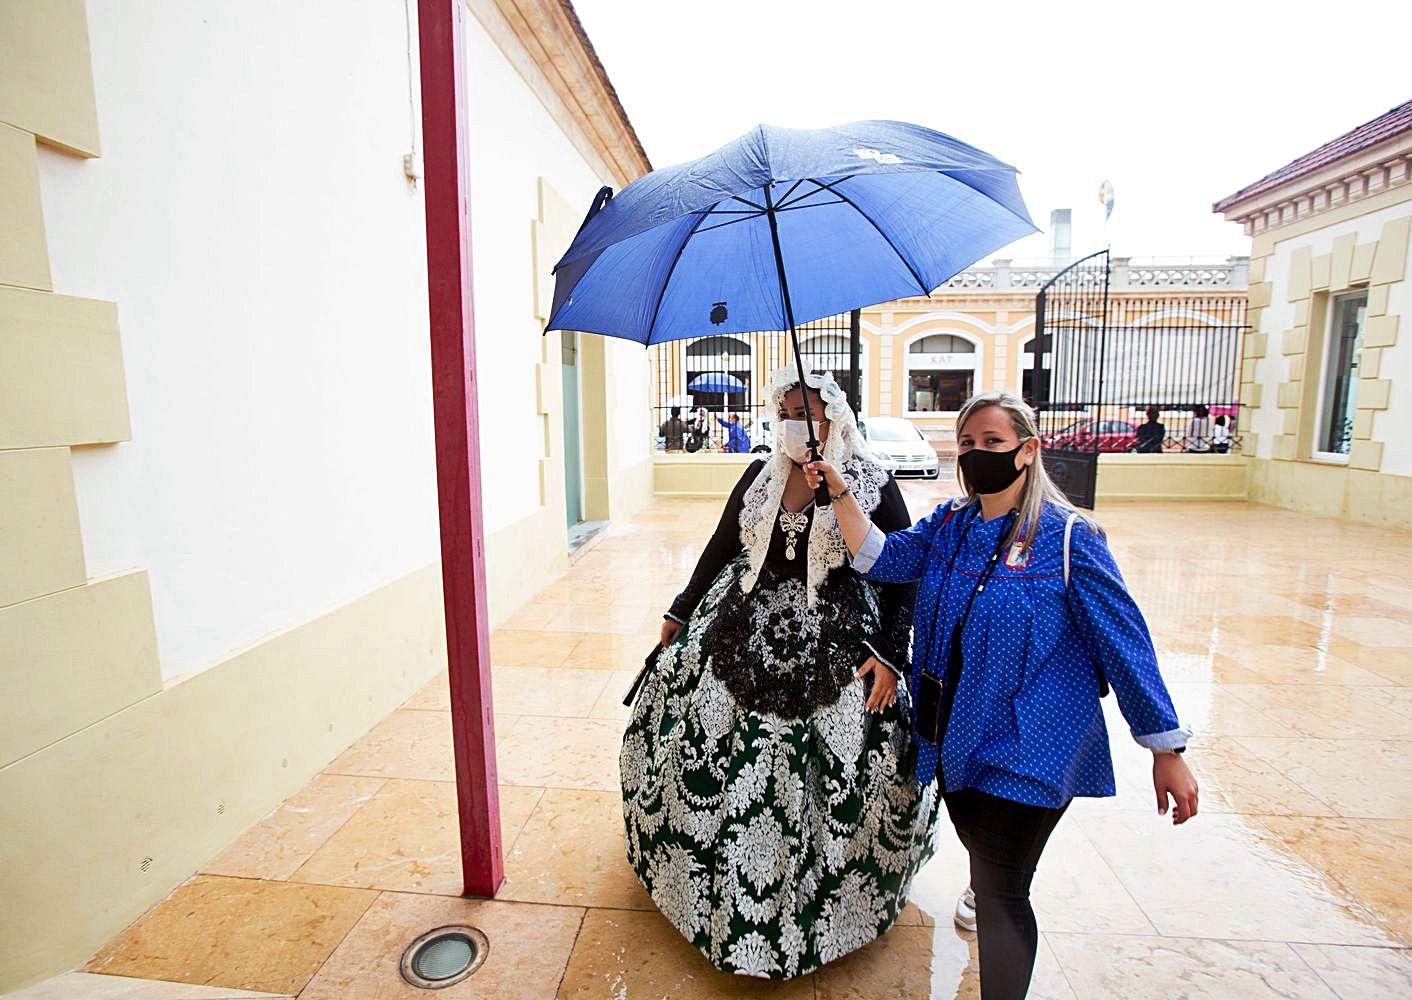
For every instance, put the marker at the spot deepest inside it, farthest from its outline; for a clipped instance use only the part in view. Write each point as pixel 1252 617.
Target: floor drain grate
pixel 444 957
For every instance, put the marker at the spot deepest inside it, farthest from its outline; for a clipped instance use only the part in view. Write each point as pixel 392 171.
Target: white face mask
pixel 794 440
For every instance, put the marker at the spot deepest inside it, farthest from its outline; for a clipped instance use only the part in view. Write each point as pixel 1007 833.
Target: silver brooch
pixel 793 525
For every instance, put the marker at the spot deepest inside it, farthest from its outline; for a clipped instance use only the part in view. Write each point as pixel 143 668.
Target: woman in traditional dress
pixel 1023 621
pixel 768 790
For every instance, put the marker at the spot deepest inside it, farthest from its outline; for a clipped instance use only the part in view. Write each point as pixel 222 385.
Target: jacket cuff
pixel 1169 740
pixel 869 551
pixel 880 658
pixel 673 618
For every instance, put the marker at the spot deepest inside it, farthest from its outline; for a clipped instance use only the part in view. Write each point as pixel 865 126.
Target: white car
pixel 901 448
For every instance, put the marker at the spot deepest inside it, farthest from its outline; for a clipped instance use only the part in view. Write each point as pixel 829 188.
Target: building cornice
pixel 546 43
pixel 1368 172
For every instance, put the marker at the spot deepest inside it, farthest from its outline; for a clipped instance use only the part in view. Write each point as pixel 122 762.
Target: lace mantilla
pixel 845 450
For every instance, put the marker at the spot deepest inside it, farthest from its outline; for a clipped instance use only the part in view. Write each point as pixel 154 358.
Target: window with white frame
pixel 1342 352
pixel 832 352
pixel 941 373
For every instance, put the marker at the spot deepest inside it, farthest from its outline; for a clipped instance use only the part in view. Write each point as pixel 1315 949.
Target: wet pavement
pixel 1286 641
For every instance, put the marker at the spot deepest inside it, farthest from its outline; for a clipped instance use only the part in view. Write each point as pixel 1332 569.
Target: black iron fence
pixel 707 387
pixel 1146 374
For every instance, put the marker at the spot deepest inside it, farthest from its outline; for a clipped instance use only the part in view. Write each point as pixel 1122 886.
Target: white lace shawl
pixel 845 450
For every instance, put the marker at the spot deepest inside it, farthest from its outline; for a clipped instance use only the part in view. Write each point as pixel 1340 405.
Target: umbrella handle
pixel 821 492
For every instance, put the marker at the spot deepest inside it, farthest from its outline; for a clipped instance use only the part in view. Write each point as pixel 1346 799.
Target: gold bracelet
pixel 843 493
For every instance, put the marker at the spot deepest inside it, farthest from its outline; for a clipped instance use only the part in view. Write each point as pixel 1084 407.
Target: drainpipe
pixel 441 27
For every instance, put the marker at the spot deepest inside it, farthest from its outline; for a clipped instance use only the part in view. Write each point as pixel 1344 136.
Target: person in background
pixel 1151 434
pixel 674 430
pixel 1220 437
pixel 737 441
pixel 1198 430
pixel 700 430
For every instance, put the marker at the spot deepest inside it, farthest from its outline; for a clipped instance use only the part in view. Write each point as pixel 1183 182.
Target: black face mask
pixel 990 471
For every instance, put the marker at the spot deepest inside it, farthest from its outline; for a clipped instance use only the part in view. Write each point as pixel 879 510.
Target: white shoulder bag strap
pixel 1068 530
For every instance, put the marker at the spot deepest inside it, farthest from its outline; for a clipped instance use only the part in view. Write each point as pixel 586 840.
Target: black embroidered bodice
pixel 893 644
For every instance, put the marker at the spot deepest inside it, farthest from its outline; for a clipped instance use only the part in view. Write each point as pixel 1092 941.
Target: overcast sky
pixel 1177 104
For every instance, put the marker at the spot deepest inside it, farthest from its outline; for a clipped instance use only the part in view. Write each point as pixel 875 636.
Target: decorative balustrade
pixel 1128 274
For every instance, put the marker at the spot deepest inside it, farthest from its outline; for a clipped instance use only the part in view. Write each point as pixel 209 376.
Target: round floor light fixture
pixel 444 957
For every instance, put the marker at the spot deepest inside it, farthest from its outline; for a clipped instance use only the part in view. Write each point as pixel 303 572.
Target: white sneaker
pixel 965 916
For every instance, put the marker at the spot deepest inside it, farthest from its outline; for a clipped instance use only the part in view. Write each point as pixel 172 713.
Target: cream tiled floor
pixel 1288 644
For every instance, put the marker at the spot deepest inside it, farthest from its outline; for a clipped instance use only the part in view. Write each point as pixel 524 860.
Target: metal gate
pixel 1071 327
pixel 730 372
pixel 1155 373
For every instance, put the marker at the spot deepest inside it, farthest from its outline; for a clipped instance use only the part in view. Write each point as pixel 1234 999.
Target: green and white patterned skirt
pixel 774 821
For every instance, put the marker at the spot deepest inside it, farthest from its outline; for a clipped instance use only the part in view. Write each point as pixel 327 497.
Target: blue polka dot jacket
pixel 1026 723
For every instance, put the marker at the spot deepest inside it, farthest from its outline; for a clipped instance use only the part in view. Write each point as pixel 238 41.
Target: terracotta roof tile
pixel 1380 129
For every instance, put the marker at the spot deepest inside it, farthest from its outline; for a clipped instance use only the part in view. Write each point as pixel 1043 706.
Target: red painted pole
pixel 458 479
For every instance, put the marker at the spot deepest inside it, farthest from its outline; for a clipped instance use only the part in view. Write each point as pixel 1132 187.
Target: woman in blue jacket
pixel 1022 620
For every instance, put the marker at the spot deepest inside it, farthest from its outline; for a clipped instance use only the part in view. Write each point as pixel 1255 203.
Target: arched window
pixel 942 372
pixel 730 355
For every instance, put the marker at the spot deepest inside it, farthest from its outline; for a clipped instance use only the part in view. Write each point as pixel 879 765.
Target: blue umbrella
pixel 716 382
pixel 784 226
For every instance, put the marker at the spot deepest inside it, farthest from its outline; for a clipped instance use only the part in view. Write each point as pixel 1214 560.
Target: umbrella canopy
pixel 716 382
pixel 853 215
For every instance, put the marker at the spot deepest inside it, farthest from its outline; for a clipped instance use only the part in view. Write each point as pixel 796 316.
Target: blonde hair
pixel 1039 489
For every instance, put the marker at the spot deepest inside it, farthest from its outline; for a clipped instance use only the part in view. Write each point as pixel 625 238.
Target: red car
pixel 1094 435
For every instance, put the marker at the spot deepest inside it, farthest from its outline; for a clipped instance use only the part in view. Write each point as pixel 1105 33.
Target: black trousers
pixel 1004 840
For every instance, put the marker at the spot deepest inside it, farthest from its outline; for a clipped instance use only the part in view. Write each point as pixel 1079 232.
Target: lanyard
pixel 985 576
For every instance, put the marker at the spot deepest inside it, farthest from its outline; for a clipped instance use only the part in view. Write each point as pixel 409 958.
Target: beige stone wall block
pixel 46 80
pixel 1301 313
pixel 1255 345
pixel 1253 395
pixel 1363 425
pixel 1390 260
pixel 174 778
pixel 24 254
pixel 1289 421
pixel 1259 296
pixel 41 550
pixel 62 382
pixel 1296 368
pixel 1289 395
pixel 1319 273
pixel 1257 269
pixel 1380 499
pixel 1250 444
pixel 1294 341
pixel 1373 393
pixel 1362 267
pixel 1377 300
pixel 1168 477
pixel 1370 363
pixel 1284 447
pixel 1366 455
pixel 73 658
pixel 1340 261
pixel 1247 369
pixel 1253 317
pixel 1300 266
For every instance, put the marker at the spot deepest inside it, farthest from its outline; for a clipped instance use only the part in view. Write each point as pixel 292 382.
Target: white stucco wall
pixel 1389 426
pixel 250 217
